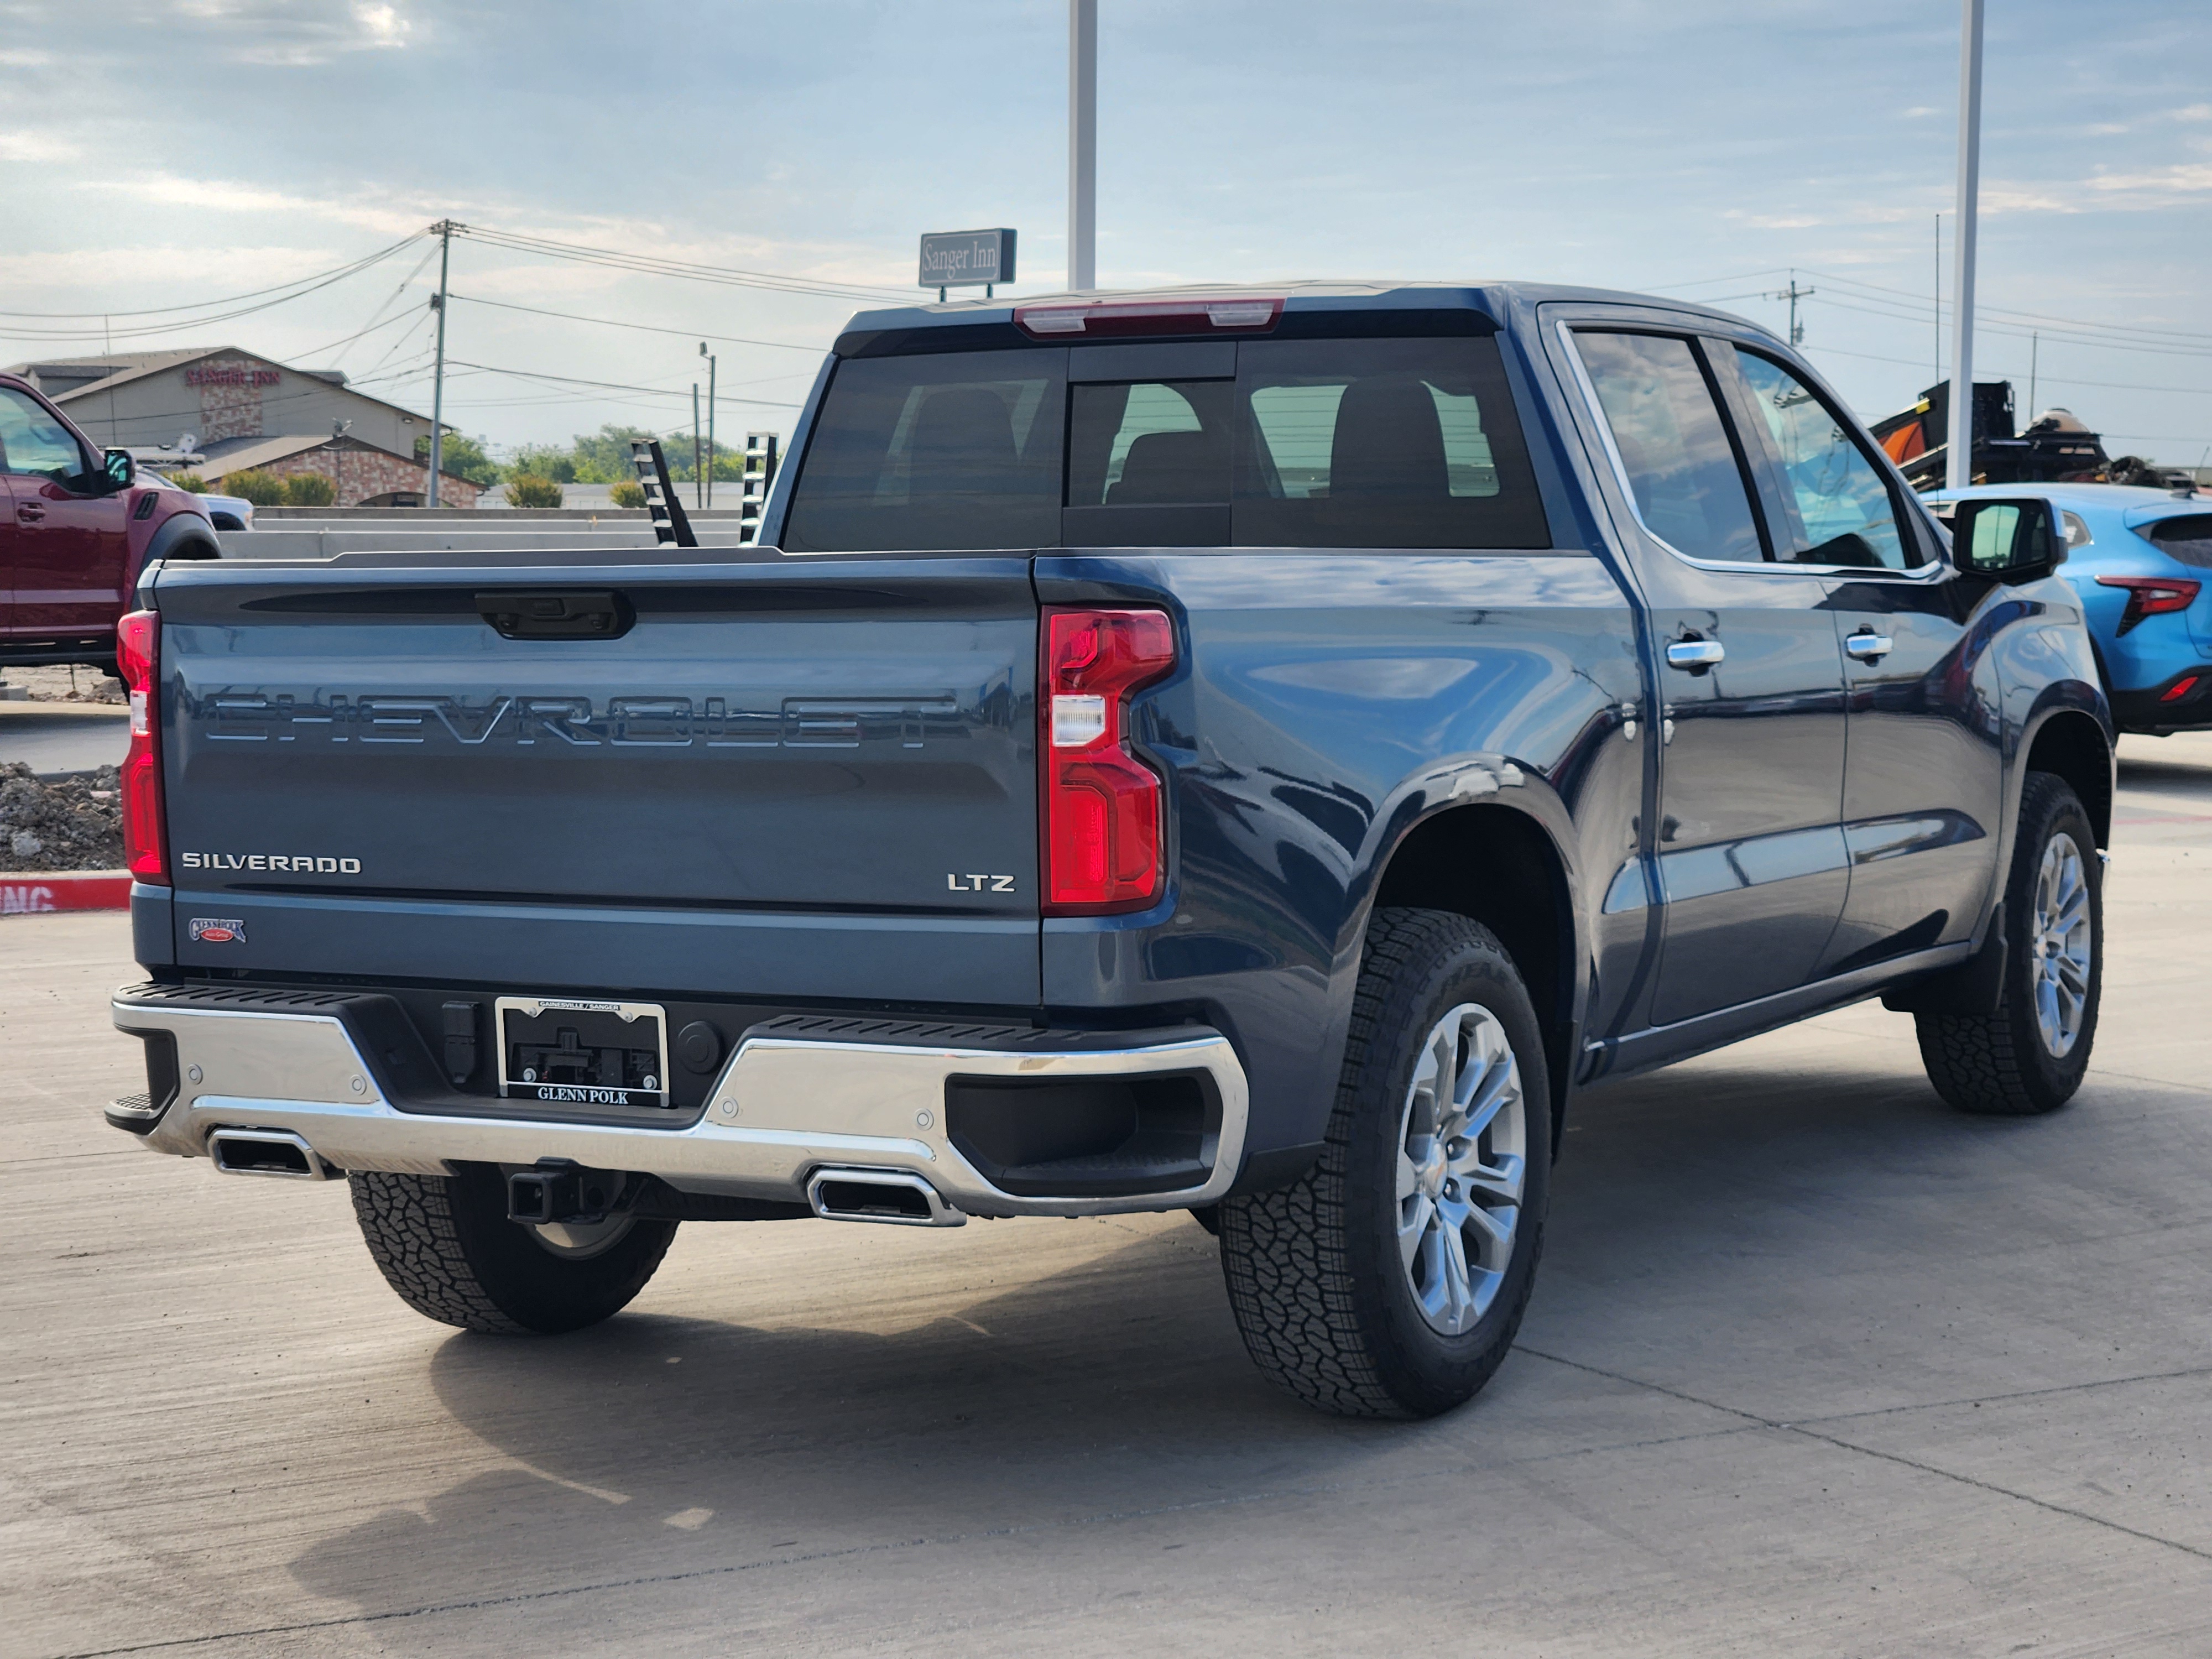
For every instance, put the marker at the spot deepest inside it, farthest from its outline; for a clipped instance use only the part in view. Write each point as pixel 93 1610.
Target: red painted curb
pixel 32 893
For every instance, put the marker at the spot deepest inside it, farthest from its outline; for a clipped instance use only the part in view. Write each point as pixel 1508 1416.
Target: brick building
pixel 246 412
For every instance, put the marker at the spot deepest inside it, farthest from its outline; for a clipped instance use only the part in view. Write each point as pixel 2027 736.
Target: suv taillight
pixel 138 657
pixel 1101 805
pixel 2151 596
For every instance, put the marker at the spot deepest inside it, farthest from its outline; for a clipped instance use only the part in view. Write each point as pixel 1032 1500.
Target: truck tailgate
pixel 730 775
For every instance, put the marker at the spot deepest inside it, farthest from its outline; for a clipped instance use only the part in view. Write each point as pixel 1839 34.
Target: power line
pixel 2055 379
pixel 208 321
pixel 648 328
pixel 318 277
pixel 654 264
pixel 605 385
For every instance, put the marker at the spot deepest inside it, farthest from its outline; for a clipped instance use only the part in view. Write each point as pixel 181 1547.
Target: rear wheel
pixel 2029 1056
pixel 1389 1280
pixel 445 1244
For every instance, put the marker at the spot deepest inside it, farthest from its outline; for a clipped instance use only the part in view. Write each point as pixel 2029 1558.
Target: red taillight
pixel 2181 688
pixel 138 658
pixel 2150 596
pixel 1106 320
pixel 1101 805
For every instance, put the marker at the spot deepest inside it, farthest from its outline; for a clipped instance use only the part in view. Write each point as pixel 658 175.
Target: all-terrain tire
pixel 445 1244
pixel 1326 1308
pixel 1999 1064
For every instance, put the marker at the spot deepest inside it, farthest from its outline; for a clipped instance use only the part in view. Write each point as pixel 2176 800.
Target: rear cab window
pixel 1275 443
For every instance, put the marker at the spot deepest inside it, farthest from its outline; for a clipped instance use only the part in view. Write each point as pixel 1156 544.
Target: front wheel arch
pixel 2072 745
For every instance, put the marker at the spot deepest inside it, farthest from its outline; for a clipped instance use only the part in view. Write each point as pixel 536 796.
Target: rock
pixel 61 823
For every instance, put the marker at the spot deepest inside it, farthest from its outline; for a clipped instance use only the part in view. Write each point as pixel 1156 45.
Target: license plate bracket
pixel 578 1051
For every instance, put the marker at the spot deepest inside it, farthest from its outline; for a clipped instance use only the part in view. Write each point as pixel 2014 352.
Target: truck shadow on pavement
pixel 1693 1209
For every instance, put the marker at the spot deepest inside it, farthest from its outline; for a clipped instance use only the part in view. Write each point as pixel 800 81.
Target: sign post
pixel 967 259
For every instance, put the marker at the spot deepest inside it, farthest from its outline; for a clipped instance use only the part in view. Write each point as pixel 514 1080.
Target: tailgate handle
pixel 557 616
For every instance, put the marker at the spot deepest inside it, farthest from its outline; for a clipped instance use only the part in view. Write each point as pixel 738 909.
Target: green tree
pixel 461 456
pixel 631 494
pixel 309 490
pixel 544 461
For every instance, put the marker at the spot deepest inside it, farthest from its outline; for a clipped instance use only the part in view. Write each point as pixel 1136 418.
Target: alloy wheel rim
pixel 579 1240
pixel 1462 1142
pixel 2061 946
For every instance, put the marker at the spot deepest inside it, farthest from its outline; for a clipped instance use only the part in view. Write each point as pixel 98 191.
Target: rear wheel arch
pixel 1501 867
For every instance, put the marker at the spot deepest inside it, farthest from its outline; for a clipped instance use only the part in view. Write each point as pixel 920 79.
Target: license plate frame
pixel 605 1029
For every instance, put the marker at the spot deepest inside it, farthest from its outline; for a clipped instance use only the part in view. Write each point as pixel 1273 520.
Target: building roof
pixel 124 367
pixel 230 455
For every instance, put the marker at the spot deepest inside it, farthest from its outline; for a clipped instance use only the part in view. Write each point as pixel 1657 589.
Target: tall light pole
pixel 1959 457
pixel 1082 144
pixel 445 230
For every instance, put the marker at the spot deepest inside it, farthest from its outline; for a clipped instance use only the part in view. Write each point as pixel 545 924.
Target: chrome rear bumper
pixel 787 1102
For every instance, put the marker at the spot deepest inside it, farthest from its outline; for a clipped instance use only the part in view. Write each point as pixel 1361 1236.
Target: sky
pixel 174 153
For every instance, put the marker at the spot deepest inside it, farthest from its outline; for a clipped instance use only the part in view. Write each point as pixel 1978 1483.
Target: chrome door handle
pixel 1867 645
pixel 29 511
pixel 1694 654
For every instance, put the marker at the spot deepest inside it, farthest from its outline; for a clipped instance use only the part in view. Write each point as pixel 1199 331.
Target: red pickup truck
pixel 77 524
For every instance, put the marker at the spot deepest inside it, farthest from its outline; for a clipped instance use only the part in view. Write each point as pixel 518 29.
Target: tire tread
pixel 1286 1254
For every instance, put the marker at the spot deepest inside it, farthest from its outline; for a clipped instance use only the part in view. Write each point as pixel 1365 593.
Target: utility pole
pixel 444 228
pixel 1939 299
pixel 2034 350
pixel 709 356
pixel 1958 470
pixel 1793 294
pixel 1082 144
pixel 698 485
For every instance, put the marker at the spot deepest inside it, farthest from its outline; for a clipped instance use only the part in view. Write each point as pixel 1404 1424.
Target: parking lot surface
pixel 1814 1366
pixel 56 737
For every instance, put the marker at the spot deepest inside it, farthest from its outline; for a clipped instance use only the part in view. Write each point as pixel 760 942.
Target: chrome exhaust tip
pixel 277 1153
pixel 892 1198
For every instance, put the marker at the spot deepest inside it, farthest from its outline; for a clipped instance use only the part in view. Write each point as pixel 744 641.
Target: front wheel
pixel 2029 1056
pixel 445 1244
pixel 1389 1280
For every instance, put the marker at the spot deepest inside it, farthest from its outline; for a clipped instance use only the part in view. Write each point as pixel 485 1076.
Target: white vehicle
pixel 224 512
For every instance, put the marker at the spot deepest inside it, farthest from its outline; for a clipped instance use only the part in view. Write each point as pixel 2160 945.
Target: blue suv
pixel 2142 561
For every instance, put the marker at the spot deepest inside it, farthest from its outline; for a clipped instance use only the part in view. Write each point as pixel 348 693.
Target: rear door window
pixel 1408 443
pixel 1682 467
pixel 1380 443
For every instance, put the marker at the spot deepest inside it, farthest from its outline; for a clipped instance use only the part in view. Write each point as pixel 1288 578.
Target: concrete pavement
pixel 1814 1366
pixel 64 737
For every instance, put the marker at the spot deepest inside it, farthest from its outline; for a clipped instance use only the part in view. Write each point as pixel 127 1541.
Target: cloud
pixel 2165 184
pixel 23 57
pixel 296 34
pixel 227 196
pixel 36 147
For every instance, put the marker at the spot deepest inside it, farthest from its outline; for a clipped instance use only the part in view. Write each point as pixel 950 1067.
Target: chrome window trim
pixel 1926 573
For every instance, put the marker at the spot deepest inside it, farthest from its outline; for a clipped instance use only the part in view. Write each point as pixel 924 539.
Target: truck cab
pixel 78 524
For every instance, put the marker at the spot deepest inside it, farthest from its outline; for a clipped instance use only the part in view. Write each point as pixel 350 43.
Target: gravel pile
pixel 62 684
pixel 69 823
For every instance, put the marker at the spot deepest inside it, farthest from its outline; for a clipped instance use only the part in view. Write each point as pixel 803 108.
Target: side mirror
pixel 2008 541
pixel 117 470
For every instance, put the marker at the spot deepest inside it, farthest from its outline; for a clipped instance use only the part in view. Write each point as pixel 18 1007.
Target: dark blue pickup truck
pixel 1253 752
